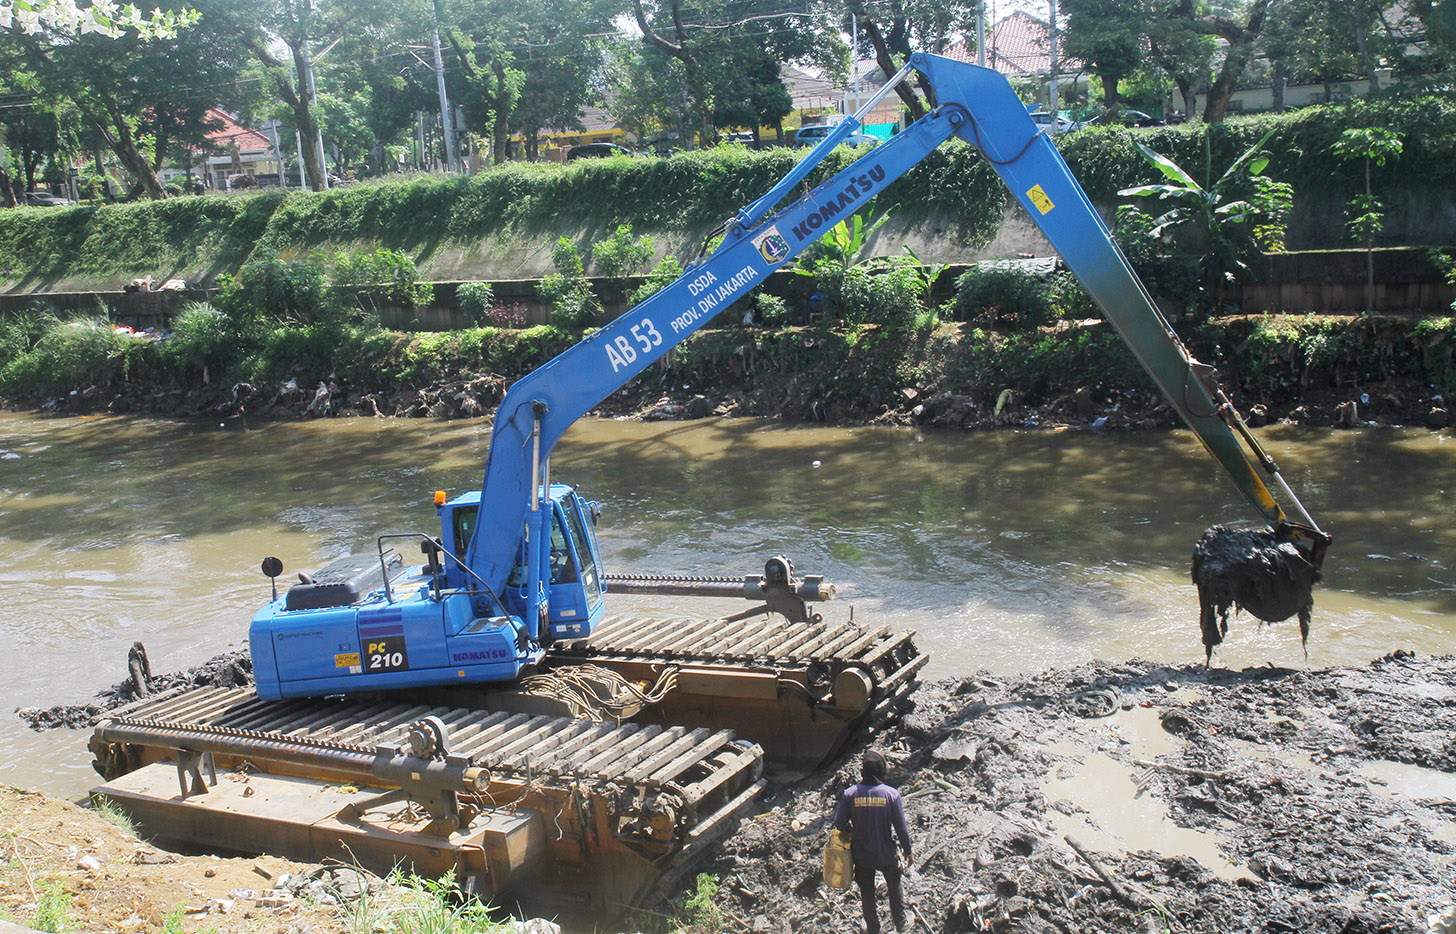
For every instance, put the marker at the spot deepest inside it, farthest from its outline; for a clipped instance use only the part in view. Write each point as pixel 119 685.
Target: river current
pixel 1007 551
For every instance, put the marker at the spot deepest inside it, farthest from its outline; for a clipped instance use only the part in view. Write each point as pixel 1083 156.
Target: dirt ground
pixel 1205 800
pixel 1107 797
pixel 69 868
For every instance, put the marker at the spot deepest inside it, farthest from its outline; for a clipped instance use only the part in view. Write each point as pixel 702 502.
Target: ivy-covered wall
pixel 502 223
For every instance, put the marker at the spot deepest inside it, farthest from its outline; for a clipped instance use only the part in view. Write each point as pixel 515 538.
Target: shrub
pixel 619 255
pixel 269 289
pixel 382 275
pixel 203 341
pixel 885 292
pixel 772 310
pixel 663 274
pixel 567 291
pixel 989 293
pixel 475 298
pixel 506 316
pixel 63 355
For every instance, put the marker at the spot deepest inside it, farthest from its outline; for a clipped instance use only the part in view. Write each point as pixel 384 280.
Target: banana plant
pixel 1214 221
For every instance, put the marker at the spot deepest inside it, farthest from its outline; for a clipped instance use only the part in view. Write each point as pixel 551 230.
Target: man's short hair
pixel 874 768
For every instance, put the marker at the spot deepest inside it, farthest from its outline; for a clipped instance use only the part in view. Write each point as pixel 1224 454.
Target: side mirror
pixel 272 567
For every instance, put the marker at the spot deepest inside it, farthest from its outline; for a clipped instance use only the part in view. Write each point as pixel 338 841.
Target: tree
pixel 126 88
pixel 281 37
pixel 1215 219
pixel 729 51
pixel 890 30
pixel 1241 33
pixel 1108 36
pixel 1323 40
pixel 1373 146
pixel 104 17
pixel 1184 54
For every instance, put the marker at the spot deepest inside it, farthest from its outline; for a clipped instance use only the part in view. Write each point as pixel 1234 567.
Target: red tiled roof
pixel 1018 47
pixel 230 133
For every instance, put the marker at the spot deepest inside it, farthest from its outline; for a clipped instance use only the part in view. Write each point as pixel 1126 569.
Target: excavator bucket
pixel 1269 572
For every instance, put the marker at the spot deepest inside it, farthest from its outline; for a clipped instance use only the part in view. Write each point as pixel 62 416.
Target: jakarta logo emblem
pixel 772 246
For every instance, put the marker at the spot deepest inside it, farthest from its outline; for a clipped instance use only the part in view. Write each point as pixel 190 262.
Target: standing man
pixel 869 810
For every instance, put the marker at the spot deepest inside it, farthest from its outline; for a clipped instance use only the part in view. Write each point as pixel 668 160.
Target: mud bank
pixel 1132 797
pixel 1334 372
pixel 1203 799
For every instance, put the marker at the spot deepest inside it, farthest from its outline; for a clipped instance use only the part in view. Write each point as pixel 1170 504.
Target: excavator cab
pixel 575 576
pixel 576 589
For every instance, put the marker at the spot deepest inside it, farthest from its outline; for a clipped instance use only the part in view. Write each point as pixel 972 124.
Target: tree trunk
pixel 1109 91
pixel 1240 49
pixel 1362 46
pixel 886 61
pixel 117 132
pixel 1280 80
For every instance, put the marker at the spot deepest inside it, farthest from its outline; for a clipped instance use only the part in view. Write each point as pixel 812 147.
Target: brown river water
pixel 1008 551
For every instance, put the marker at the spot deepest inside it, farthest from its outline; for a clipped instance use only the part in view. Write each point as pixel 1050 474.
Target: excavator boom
pixel 979 106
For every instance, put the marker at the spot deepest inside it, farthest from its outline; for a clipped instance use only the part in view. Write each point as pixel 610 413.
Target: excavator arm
pixel 979 106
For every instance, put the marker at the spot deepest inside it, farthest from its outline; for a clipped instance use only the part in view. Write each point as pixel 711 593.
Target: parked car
pixel 742 137
pixel 1061 123
pixel 811 135
pixel 1122 118
pixel 44 199
pixel 597 151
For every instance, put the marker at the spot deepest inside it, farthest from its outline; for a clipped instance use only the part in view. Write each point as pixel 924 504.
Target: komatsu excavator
pixel 547 744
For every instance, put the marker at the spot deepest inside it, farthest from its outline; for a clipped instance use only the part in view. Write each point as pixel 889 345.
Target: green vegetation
pixel 113 815
pixel 1217 224
pixel 567 290
pixel 53 909
pixel 686 195
pixel 697 910
pixel 475 298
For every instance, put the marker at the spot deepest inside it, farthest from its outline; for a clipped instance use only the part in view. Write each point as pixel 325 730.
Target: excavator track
pixel 797 689
pixel 597 809
pixel 562 798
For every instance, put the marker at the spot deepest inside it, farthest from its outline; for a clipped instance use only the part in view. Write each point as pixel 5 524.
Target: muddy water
pixel 1008 551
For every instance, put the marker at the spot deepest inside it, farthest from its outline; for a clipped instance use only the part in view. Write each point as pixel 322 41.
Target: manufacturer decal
pixel 844 202
pixel 1039 198
pixel 772 246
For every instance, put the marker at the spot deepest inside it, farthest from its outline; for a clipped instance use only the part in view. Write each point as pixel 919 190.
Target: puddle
pixel 1410 781
pixel 1117 820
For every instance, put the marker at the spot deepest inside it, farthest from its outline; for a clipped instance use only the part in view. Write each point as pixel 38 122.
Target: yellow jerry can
pixel 838 864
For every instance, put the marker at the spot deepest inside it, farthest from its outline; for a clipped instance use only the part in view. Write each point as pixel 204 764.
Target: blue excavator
pixel 517 564
pixel 481 713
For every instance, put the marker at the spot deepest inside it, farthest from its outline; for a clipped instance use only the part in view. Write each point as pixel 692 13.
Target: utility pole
pixel 981 33
pixel 450 156
pixel 1052 86
pixel 277 155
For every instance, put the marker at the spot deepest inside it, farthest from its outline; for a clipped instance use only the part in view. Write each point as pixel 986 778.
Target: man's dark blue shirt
pixel 871 811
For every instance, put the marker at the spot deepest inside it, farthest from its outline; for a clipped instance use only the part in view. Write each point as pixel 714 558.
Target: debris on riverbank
pixel 1140 797
pixel 1137 797
pixel 230 669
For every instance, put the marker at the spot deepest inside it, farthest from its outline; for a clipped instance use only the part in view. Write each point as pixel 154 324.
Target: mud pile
pixel 228 670
pixel 1253 570
pixel 1294 801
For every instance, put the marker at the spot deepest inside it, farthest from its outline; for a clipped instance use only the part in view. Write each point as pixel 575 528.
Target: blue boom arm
pixel 978 105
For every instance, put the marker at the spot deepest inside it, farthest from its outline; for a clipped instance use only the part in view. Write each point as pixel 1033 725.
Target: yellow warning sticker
pixel 1040 199
pixel 346 660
